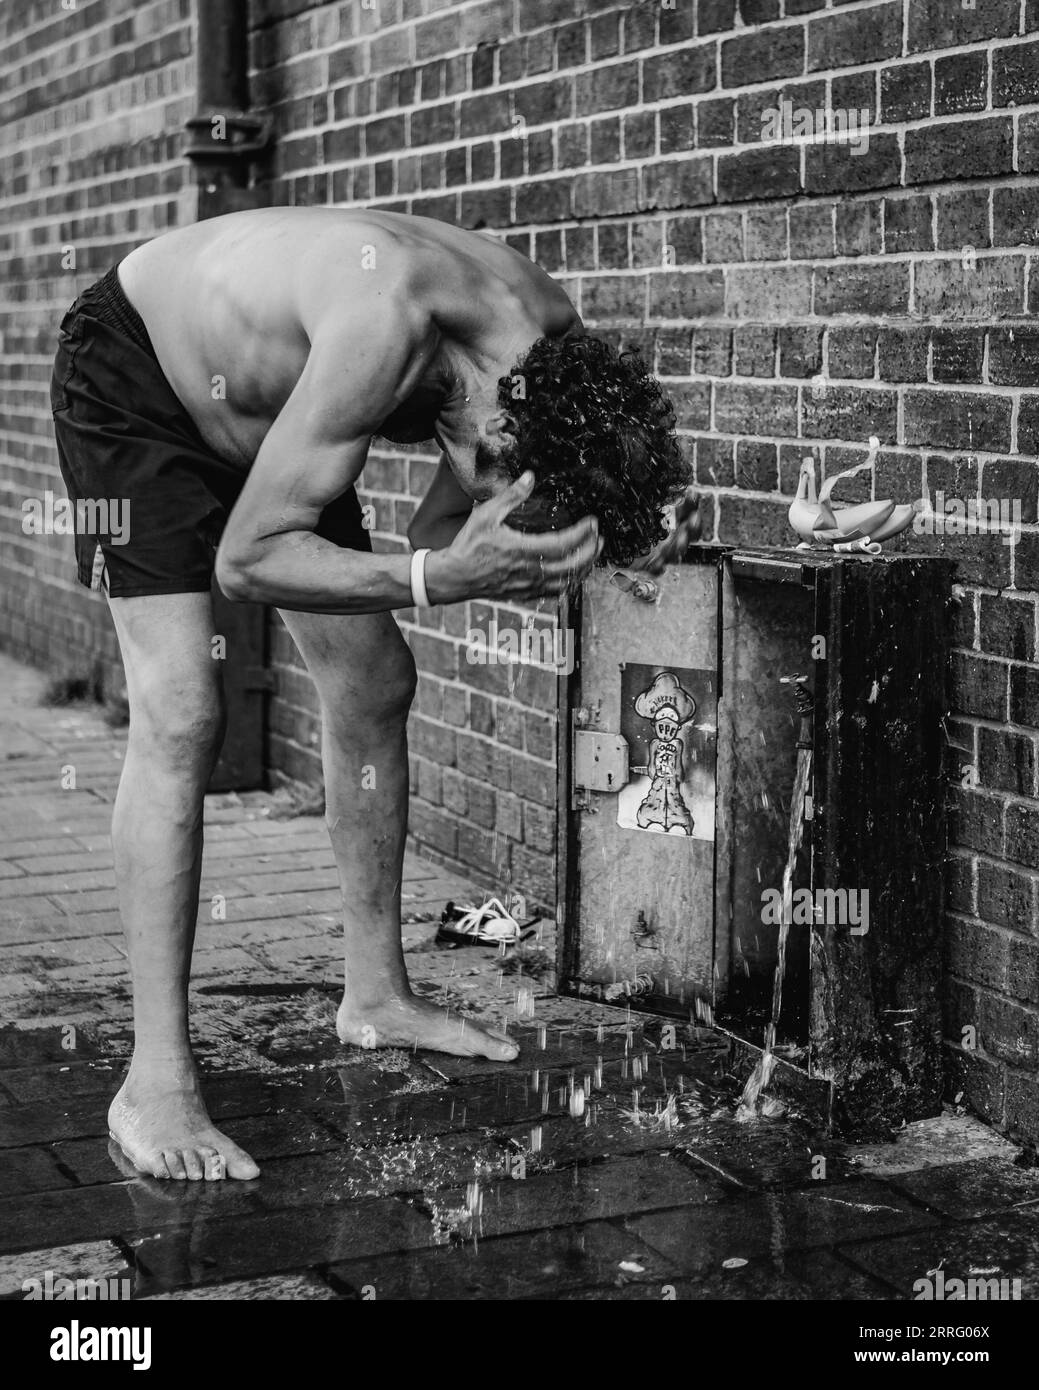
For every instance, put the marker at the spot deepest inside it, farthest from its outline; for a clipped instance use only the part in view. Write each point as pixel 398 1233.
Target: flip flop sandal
pixel 489 925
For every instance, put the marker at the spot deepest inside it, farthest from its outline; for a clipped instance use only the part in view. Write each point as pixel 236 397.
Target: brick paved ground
pixel 413 1176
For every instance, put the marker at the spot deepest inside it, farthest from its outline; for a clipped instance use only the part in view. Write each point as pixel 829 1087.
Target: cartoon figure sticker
pixel 668 720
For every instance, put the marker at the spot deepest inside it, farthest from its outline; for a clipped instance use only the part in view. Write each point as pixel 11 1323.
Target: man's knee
pixel 384 697
pixel 180 725
pixel 402 682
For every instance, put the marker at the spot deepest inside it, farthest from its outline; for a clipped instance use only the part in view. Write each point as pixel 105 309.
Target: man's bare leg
pixel 176 726
pixel 365 677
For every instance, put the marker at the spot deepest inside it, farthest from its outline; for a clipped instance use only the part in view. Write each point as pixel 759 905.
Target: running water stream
pixel 757 1082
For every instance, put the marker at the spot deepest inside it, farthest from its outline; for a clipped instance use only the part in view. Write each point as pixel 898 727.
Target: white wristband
pixel 419 597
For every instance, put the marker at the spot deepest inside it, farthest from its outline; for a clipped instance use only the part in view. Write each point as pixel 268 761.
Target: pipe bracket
pixel 226 137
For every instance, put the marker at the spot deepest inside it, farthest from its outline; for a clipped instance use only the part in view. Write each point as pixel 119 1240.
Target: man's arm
pixel 313 452
pixel 316 449
pixel 442 512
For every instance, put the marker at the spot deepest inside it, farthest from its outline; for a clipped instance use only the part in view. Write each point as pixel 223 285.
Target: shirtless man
pixel 226 382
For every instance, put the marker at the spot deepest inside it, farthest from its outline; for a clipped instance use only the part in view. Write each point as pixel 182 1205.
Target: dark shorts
pixel 151 497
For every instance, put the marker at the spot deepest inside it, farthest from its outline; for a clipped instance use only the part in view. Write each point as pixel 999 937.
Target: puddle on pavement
pixel 423 1127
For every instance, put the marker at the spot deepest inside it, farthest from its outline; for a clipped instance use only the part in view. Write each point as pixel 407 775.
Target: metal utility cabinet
pixel 682 721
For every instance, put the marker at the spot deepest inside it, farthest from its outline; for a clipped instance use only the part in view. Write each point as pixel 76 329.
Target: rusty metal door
pixel 641 798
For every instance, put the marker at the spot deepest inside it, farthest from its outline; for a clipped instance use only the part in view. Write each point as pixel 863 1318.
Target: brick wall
pixel 92 102
pixel 796 299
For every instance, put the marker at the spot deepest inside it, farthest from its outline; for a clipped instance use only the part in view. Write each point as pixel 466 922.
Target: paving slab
pixel 538 1264
pixel 274 1242
pixel 964 1191
pixel 612 1187
pixel 278 1288
pixel 701 1238
pixel 95 1260
pixel 29 1170
pixel 790 1276
pixel 1004 1247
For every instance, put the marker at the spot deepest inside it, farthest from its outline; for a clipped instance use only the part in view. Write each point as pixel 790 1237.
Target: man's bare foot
pixel 412 1022
pixel 161 1124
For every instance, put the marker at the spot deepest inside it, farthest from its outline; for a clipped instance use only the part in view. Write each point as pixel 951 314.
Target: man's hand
pixel 688 528
pixel 489 559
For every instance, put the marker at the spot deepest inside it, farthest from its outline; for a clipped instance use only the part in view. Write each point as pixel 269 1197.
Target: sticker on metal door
pixel 669 721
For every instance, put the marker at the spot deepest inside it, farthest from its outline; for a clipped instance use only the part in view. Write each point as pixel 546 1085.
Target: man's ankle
pixel 163 1061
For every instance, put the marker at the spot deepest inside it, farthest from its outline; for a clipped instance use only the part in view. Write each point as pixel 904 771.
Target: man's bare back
pixel 238 298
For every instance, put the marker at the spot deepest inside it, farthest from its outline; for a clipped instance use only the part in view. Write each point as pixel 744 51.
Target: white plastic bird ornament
pixel 861 527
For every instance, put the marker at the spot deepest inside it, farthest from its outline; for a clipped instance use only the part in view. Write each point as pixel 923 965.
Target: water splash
pixel 751 1103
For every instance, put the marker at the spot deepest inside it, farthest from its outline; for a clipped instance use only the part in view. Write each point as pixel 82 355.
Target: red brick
pixel 961 83
pixel 963 219
pixel 763 56
pixel 675 183
pixel 905 92
pixel 1022 833
pixel 1015 74
pixel 977 686
pixel 1008 897
pixel 686 294
pixel 862 36
pixel 957 354
pixel 862 289
pixel 740 408
pixel 907 224
pixel 606 194
pixel 979 953
pixel 858 228
pixel 685 72
pixel 754 350
pixel 933 24
pixel 959 149
pixel 903 354
pixel 850 352
pixel 992 287
pixel 773 292
pixel 957 420
pixel 1015 216
pixel 851 412
pixel 1022 1105
pixel 747 521
pixel 1007 761
pixel 768 172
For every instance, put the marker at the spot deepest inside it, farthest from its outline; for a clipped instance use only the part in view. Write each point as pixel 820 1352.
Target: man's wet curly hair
pixel 598 433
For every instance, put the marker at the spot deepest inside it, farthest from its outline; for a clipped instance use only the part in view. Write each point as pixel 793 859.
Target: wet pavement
pixel 603 1164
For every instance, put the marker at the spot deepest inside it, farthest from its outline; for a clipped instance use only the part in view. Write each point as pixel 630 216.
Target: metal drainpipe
pixel 224 137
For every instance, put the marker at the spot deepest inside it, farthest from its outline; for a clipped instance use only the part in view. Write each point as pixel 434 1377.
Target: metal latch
pixel 600 764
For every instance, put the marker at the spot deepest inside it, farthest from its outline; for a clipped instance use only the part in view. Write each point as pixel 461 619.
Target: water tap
pixel 805 702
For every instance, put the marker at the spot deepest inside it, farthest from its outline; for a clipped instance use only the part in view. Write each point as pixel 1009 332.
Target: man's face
pixel 478 463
